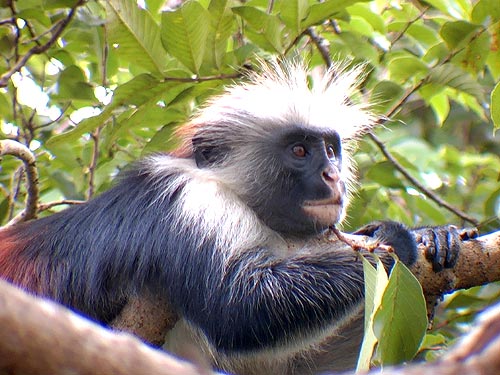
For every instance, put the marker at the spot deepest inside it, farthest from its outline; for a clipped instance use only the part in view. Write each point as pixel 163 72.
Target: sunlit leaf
pixel 484 9
pixel 457 33
pixel 495 106
pixel 407 67
pixel 221 27
pixel 441 107
pixel 134 33
pixel 376 281
pixel 265 28
pixel 184 33
pixel 385 94
pixel 319 12
pixel 73 85
pixel 135 92
pixel 452 76
pixel 401 321
pixel 292 13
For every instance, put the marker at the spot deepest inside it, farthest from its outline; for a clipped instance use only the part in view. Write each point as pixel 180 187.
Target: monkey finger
pixel 431 242
pixel 468 233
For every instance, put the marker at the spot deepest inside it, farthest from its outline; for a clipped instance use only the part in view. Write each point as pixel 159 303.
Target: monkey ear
pixel 207 155
pixel 202 157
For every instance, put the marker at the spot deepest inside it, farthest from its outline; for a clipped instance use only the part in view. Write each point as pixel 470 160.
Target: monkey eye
pixel 299 151
pixel 330 151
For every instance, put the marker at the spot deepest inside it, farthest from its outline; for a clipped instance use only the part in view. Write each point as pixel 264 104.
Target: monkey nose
pixel 331 175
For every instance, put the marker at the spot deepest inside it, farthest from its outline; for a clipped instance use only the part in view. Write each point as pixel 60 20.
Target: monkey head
pixel 283 146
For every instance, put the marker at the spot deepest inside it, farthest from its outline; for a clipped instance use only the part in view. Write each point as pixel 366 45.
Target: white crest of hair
pixel 278 97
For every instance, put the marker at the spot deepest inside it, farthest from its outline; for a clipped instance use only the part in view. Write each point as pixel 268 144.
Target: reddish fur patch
pixel 185 133
pixel 14 267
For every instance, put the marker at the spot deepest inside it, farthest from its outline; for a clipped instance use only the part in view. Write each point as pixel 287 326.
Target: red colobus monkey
pixel 226 229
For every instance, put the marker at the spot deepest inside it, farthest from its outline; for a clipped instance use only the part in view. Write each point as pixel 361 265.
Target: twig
pixel 202 79
pixel 358 242
pixel 10 147
pixel 48 206
pixel 56 30
pixel 93 162
pixel 320 45
pixel 430 194
pixel 407 26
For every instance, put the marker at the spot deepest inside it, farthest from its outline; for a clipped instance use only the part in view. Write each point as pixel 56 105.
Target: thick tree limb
pixel 478 264
pixel 41 337
pixel 148 317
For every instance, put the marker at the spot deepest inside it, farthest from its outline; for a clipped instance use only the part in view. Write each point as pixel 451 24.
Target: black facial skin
pixel 310 165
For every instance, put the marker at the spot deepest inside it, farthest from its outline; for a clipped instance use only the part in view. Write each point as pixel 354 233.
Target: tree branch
pixel 56 31
pixel 478 264
pixel 430 194
pixel 42 337
pixel 48 206
pixel 10 147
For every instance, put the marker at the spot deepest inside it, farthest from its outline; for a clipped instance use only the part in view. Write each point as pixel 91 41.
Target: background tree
pixel 88 86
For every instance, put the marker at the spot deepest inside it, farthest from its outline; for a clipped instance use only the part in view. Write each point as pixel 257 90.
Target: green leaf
pixel 376 281
pixel 221 22
pixel 430 209
pixel 4 209
pixel 55 4
pixel 383 173
pixel 401 321
pixel 153 112
pixel 385 94
pixel 452 76
pixel 73 85
pixel 134 92
pixel 474 55
pixel 495 106
pixel 318 12
pixel 265 28
pixel 184 34
pixel 448 7
pixel 440 105
pixel 423 34
pixel 372 17
pixel 486 9
pixel 136 36
pixel 404 68
pixel 162 140
pixel 457 33
pixel 493 60
pixel 292 13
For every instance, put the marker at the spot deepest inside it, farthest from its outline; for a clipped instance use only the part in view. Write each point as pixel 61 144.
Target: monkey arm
pixel 261 301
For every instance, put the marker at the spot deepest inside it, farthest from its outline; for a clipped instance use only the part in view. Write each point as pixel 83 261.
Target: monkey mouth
pixel 324 211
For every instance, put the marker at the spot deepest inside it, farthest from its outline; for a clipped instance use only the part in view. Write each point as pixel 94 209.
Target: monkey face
pixel 308 195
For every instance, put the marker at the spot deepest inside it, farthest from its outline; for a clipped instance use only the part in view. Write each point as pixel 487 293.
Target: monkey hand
pixel 442 244
pixel 392 235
